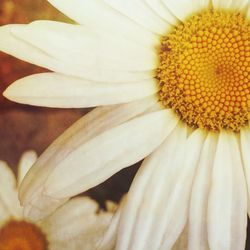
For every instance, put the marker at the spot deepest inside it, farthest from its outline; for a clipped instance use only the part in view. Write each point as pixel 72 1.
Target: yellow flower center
pixel 204 70
pixel 21 235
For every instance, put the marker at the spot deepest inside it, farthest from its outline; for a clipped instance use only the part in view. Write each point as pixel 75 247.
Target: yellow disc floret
pixel 22 235
pixel 204 71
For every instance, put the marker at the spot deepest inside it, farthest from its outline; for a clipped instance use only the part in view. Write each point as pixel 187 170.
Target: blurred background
pixel 23 127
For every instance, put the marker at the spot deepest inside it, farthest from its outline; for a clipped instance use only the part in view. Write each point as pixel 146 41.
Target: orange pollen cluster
pixel 204 71
pixel 22 235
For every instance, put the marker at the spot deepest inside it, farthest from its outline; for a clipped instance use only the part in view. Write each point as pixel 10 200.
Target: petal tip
pixel 9 92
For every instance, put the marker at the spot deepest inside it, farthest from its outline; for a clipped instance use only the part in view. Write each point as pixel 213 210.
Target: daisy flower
pixel 75 225
pixel 171 78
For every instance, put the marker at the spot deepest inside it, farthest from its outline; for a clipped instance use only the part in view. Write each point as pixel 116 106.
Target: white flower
pixel 78 224
pixel 172 80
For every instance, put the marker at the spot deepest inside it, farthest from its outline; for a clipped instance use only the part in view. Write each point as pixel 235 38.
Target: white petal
pixel 239 4
pixel 184 8
pixel 88 240
pixel 86 128
pixel 248 12
pixel 148 177
pixel 199 199
pixel 4 214
pixel 97 14
pixel 8 191
pixel 109 240
pixel 182 242
pixel 140 12
pixel 31 53
pixel 22 50
pixel 27 160
pixel 217 4
pixel 162 11
pixel 183 186
pixel 154 213
pixel 76 219
pixel 245 151
pixel 116 148
pixel 84 48
pixel 41 206
pixel 57 90
pixel 229 4
pixel 70 220
pixel 227 206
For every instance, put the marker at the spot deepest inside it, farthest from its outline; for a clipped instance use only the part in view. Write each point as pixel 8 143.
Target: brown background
pixel 23 127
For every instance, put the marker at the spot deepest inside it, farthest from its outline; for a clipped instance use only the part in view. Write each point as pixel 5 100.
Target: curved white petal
pixel 139 11
pixel 81 169
pixel 71 219
pixel 41 206
pixel 109 240
pixel 86 128
pixel 245 151
pixel 199 198
pixel 161 10
pixel 182 242
pixel 230 4
pixel 145 180
pixel 184 8
pixel 57 90
pixel 22 50
pixel 8 191
pixel 183 188
pixel 27 160
pixel 227 206
pixel 78 218
pixel 239 4
pixel 116 148
pixel 85 48
pixel 31 53
pixel 97 14
pixel 154 216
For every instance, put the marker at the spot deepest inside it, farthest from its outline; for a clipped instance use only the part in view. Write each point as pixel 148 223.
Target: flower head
pixel 78 224
pixel 172 80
